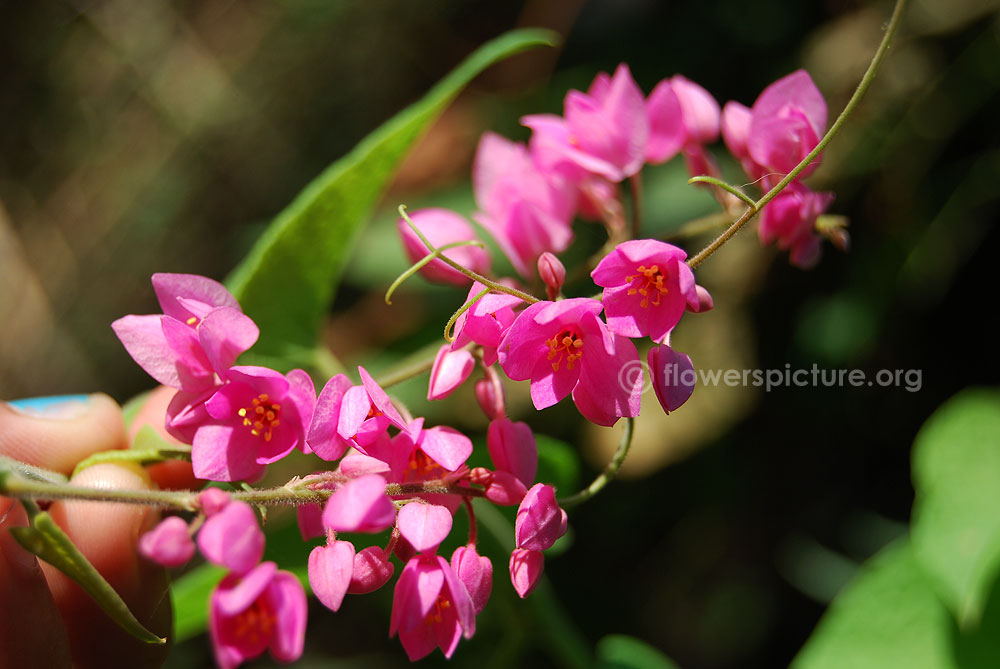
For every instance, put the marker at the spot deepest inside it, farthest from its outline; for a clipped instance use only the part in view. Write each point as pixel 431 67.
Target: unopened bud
pixel 553 273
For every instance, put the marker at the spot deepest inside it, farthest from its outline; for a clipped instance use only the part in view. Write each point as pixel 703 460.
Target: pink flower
pixel 512 448
pixel 565 347
pixel 168 544
pixel 258 417
pixel 736 119
pixel 526 568
pixel 199 336
pixel 790 219
pixel 441 227
pixel 605 130
pixel 351 416
pixel 673 376
pixel 539 520
pixel 699 111
pixel 667 132
pixel 263 609
pixel 360 505
pixel 425 526
pixel 527 211
pixel 372 570
pixel 330 571
pixel 485 322
pixel 788 119
pixel 647 286
pixel 231 538
pixel 475 571
pixel 450 370
pixel 431 608
pixel 490 395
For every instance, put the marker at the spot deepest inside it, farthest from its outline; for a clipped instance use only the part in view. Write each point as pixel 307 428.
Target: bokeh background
pixel 138 137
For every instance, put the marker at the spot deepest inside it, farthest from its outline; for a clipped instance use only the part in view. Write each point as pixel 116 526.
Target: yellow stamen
pixel 648 280
pixel 566 345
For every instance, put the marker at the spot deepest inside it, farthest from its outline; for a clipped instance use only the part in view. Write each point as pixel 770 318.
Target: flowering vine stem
pixel 437 253
pixel 859 92
pixel 293 493
pixel 609 473
pixel 475 276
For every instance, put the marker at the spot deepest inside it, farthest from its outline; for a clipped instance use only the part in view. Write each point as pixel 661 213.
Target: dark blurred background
pixel 138 137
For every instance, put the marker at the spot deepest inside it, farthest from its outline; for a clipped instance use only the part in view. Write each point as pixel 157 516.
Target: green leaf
pixel 619 651
pixel 888 616
pixel 47 540
pixel 558 464
pixel 189 595
pixel 147 449
pixel 955 526
pixel 288 280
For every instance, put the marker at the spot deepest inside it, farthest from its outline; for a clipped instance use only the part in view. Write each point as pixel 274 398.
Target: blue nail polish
pixel 51 406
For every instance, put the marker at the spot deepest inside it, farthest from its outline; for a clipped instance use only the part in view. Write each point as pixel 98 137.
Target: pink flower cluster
pixel 392 472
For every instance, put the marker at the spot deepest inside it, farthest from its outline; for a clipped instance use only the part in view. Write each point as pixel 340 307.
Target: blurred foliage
pixel 163 135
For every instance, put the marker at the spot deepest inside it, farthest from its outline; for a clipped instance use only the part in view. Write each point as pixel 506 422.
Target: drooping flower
pixel 330 570
pixel 372 570
pixel 539 520
pixel 232 538
pixel 425 526
pixel 475 571
pixel 647 286
pixel 441 227
pixel 168 544
pixel 513 449
pixel 431 608
pixel 257 417
pixel 450 370
pixel 264 609
pixel 526 567
pixel 360 505
pixel 790 220
pixel 526 210
pixel 684 116
pixel 564 347
pixel 673 376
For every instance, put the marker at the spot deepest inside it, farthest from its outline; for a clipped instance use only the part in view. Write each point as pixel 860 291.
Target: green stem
pixel 866 81
pixel 291 494
pixel 729 188
pixel 610 470
pixel 416 267
pixel 489 283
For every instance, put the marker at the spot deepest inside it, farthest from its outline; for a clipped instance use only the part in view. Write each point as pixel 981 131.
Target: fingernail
pixel 52 406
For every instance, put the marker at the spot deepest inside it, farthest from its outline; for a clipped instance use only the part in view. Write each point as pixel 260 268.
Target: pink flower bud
pixel 231 538
pixel 489 394
pixel 505 489
pixel 451 369
pixel 372 570
pixel 425 526
pixel 441 227
pixel 476 572
pixel 539 521
pixel 512 448
pixel 526 568
pixel 704 301
pixel 360 505
pixel 168 544
pixel 330 571
pixel 673 376
pixel 212 500
pixel 553 274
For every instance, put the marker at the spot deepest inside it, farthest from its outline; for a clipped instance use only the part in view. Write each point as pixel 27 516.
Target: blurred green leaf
pixel 148 448
pixel 618 651
pixel 47 540
pixel 189 595
pixel 888 616
pixel 288 280
pixel 956 514
pixel 558 464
